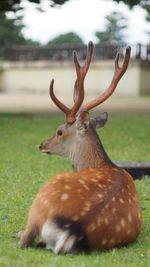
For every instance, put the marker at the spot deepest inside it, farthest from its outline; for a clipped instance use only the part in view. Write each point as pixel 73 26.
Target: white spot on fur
pixel 113 199
pixel 122 222
pixel 86 187
pixel 64 197
pixel 106 206
pixel 83 212
pixel 121 200
pixel 134 199
pixel 91 228
pixel 75 218
pixel 128 231
pixel 100 196
pixel 67 175
pixel 87 203
pixel 104 241
pixel 109 187
pixel 58 177
pixel 94 180
pixel 45 202
pixel 114 210
pixel 81 181
pixel 118 228
pixel 139 215
pixel 129 200
pixel 67 187
pixel 129 217
pixel 84 184
pixel 106 221
pixel 87 208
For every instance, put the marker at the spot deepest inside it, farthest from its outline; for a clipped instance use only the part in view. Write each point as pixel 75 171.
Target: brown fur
pixel 104 200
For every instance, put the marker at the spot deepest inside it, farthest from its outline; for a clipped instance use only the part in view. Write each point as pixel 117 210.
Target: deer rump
pixel 89 210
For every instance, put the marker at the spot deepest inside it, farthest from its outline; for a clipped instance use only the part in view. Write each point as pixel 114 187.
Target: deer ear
pixel 100 120
pixel 82 121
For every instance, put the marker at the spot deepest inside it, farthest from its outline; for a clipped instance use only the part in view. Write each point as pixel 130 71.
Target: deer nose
pixel 44 149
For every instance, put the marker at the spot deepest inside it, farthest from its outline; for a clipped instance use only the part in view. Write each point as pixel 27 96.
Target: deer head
pixel 78 135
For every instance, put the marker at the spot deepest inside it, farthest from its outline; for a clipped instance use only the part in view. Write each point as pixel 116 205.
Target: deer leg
pixel 27 237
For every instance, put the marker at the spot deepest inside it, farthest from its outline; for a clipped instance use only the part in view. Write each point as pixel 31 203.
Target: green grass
pixel 23 169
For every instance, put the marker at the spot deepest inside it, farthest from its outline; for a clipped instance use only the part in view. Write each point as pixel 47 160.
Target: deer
pixel 96 206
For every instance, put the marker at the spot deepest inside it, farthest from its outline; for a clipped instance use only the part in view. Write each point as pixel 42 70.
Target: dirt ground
pixel 41 103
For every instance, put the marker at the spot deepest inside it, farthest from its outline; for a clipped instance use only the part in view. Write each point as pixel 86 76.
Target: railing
pixel 64 52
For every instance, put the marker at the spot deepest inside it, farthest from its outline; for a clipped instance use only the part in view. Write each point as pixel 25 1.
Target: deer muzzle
pixel 44 149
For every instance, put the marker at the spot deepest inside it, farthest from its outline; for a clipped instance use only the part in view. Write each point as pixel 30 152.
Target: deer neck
pixel 89 154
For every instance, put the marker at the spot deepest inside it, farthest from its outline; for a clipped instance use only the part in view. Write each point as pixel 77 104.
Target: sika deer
pixel 95 208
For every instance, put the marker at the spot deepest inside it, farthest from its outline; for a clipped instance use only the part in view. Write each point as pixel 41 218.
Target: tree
pixel 148 19
pixel 115 26
pixel 14 5
pixel 11 32
pixel 66 38
pixel 131 3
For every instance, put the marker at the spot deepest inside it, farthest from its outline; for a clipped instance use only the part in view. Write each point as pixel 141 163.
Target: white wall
pixel 17 77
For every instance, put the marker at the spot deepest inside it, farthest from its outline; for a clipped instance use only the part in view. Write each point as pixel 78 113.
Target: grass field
pixel 23 169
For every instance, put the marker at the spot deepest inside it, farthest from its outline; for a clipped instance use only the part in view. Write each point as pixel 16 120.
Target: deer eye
pixel 59 132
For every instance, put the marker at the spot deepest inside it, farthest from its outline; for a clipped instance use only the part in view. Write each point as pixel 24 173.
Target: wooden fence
pixel 64 52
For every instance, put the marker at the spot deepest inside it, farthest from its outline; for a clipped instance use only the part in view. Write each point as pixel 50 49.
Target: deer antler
pixel 78 89
pixel 118 73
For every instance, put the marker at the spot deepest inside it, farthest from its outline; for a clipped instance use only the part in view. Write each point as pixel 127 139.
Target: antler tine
pixel 75 95
pixel 56 100
pixel 79 88
pixel 81 71
pixel 118 73
pixel 79 84
pixel 83 68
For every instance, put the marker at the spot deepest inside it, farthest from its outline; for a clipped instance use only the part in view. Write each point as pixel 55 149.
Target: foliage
pixel 148 20
pixel 145 4
pixel 67 38
pixel 115 26
pixel 131 3
pixel 23 170
pixel 11 33
pixel 14 5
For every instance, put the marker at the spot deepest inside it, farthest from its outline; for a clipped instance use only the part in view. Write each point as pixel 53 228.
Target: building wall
pixel 145 78
pixel 34 77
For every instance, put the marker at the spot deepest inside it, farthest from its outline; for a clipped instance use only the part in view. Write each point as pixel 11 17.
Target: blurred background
pixel 38 37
